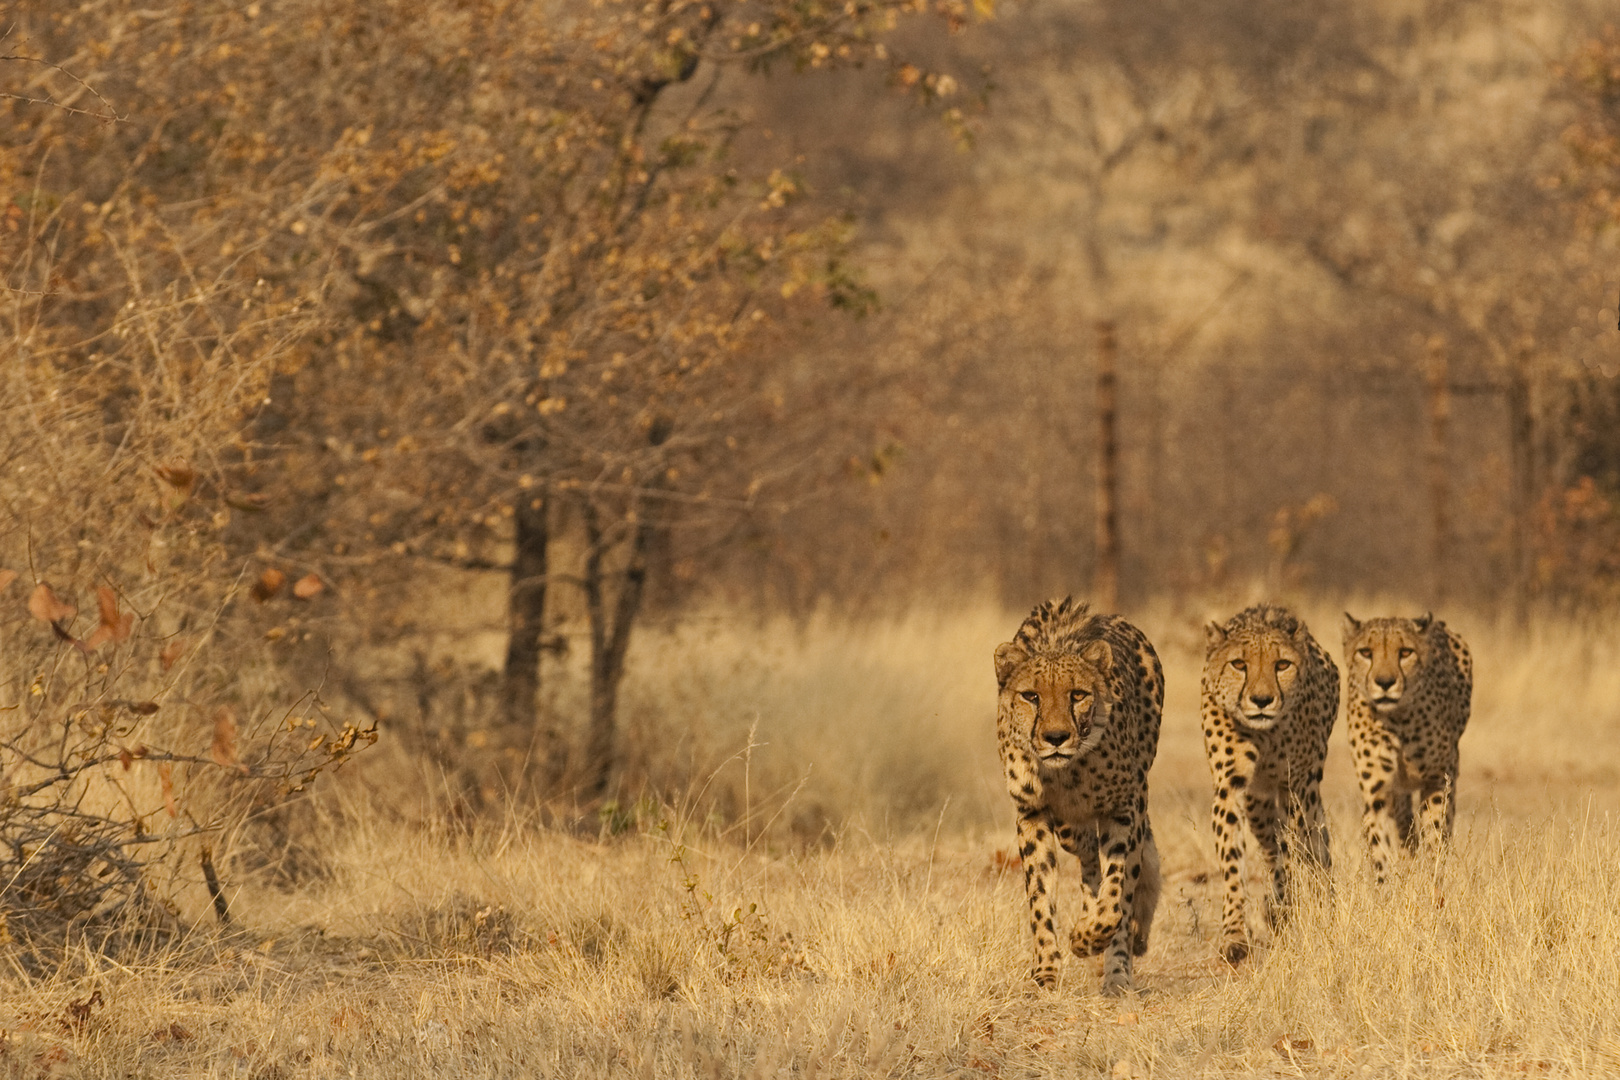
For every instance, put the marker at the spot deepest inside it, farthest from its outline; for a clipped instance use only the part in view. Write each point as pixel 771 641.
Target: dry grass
pixel 893 944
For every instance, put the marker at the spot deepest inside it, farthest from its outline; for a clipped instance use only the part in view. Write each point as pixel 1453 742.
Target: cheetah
pixel 1270 697
pixel 1080 700
pixel 1410 681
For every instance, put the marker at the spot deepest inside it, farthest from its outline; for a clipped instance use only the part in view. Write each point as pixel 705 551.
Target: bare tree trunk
pixel 610 640
pixel 525 620
pixel 1105 579
pixel 1439 479
pixel 610 635
pixel 1521 441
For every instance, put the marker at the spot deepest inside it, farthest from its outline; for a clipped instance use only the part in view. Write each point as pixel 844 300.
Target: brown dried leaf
pixel 107 605
pixel 117 627
pixel 114 627
pixel 166 782
pixel 252 503
pixel 46 606
pixel 269 583
pixel 308 586
pixel 177 475
pixel 96 640
pixel 171 653
pixel 224 749
pixel 143 708
pixel 126 759
pixel 7 577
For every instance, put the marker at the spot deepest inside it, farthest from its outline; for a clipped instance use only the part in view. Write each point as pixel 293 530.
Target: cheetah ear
pixel 1423 621
pixel 1352 627
pixel 1214 635
pixel 1008 656
pixel 1099 656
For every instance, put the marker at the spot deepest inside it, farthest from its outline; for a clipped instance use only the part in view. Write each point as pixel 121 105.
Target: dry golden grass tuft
pixel 685 942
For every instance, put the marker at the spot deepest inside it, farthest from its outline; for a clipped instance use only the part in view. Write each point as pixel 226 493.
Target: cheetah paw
pixel 1116 986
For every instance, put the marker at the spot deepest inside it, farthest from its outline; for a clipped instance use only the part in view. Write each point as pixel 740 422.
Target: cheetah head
pixel 1384 658
pixel 1253 674
pixel 1060 701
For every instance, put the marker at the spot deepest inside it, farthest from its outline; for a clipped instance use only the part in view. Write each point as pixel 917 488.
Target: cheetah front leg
pixel 1438 809
pixel 1228 824
pixel 1405 823
pixel 1310 821
pixel 1146 902
pixel 1377 762
pixel 1090 856
pixel 1037 846
pixel 1109 931
pixel 1082 844
pixel 1149 885
pixel 1261 805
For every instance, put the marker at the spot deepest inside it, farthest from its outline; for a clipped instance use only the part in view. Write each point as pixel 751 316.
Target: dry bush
pixel 144 729
pixel 144 724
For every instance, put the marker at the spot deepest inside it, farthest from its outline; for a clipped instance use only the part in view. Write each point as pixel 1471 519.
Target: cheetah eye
pixel 1407 652
pixel 1077 696
pixel 1239 665
pixel 1365 654
pixel 1031 696
pixel 1284 665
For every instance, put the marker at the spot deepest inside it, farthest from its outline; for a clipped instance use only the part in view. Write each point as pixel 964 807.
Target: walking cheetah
pixel 1410 684
pixel 1081 696
pixel 1270 697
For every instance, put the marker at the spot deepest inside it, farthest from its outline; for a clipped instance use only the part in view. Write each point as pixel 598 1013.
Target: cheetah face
pixel 1384 658
pixel 1253 677
pixel 1061 703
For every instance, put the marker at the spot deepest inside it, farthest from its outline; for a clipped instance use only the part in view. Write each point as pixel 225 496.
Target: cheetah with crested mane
pixel 1410 684
pixel 1079 705
pixel 1270 697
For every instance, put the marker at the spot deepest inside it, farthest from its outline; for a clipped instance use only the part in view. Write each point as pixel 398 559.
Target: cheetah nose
pixel 1055 738
pixel 1384 681
pixel 1261 700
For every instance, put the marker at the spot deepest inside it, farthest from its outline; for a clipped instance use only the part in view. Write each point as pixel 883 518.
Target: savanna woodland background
pixel 507 508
